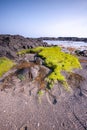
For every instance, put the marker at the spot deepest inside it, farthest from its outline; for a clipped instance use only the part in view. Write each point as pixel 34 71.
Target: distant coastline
pixel 83 39
pixel 65 39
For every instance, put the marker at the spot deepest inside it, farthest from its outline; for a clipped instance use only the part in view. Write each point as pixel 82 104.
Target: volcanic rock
pixel 11 44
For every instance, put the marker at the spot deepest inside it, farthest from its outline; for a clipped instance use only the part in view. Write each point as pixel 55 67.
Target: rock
pixel 38 60
pixel 11 54
pixel 10 44
pixel 24 127
pixel 23 71
pixel 85 53
pixel 28 57
pixel 34 71
pixel 81 53
pixel 77 52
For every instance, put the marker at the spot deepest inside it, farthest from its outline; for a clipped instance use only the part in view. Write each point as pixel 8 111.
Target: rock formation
pixel 10 44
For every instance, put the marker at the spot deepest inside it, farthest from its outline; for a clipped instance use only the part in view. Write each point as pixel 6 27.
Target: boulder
pixel 34 70
pixel 81 53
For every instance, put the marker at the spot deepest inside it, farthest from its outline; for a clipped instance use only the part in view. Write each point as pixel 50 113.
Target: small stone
pixel 24 127
pixel 38 124
pixel 53 126
pixel 26 103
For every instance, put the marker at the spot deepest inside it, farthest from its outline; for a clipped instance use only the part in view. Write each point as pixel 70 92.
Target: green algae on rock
pixel 5 65
pixel 56 60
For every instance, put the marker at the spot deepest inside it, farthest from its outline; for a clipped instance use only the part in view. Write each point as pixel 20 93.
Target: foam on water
pixel 75 44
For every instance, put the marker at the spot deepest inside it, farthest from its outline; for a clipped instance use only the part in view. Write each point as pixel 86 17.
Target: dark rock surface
pixel 10 44
pixel 81 53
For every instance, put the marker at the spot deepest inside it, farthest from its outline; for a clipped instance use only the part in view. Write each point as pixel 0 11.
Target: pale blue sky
pixel 37 18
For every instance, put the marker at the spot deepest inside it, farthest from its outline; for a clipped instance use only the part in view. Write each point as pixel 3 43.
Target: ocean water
pixel 78 45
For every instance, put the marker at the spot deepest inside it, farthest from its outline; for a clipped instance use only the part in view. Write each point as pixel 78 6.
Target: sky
pixel 44 18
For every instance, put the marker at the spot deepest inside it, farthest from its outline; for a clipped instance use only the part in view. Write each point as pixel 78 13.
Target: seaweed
pixel 57 61
pixel 5 65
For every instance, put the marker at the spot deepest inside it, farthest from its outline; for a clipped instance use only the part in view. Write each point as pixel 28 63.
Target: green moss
pixel 23 52
pixel 58 61
pixel 33 50
pixel 21 77
pixel 40 92
pixel 5 65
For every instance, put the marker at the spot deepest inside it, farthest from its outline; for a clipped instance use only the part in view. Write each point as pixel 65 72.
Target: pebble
pixel 53 126
pixel 26 103
pixel 4 111
pixel 38 124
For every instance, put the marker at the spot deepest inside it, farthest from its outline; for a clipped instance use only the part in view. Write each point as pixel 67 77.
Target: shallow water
pixel 75 44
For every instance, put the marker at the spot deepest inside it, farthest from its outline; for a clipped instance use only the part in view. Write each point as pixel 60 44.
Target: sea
pixel 74 44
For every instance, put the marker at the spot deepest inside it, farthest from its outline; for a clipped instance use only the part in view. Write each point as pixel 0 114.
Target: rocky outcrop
pixel 10 44
pixel 81 53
